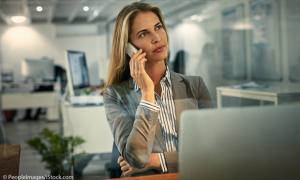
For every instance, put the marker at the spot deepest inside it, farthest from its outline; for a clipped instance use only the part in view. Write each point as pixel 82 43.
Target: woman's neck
pixel 156 71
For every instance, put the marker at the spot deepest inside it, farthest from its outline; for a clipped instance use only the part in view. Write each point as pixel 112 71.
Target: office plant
pixel 56 150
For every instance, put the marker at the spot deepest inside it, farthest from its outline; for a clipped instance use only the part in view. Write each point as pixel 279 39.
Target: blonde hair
pixel 119 62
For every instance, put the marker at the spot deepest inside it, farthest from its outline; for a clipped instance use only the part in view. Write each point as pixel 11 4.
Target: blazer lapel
pixel 178 87
pixel 182 96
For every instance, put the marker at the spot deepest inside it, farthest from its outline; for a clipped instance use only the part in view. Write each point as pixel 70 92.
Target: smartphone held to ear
pixel 130 50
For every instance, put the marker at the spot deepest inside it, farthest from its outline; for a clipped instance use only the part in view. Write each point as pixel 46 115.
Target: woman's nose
pixel 155 37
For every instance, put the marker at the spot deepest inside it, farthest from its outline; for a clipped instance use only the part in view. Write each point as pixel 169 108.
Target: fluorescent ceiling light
pixel 86 8
pixel 242 26
pixel 39 8
pixel 18 19
pixel 198 17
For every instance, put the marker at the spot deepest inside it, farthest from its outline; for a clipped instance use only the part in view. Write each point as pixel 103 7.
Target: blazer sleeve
pixel 134 136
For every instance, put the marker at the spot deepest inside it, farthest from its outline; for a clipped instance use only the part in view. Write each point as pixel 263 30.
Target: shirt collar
pixel 166 80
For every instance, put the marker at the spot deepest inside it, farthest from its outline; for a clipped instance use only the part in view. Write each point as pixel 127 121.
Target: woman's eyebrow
pixel 144 30
pixel 157 23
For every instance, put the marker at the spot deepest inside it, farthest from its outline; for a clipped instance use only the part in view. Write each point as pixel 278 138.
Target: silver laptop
pixel 240 144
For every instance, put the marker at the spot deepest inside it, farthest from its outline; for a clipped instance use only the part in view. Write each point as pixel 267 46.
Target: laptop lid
pixel 240 143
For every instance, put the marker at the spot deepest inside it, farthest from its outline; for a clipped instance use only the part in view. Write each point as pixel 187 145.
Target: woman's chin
pixel 158 57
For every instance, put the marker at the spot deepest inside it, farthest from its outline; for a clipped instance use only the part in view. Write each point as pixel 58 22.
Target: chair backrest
pixel 9 159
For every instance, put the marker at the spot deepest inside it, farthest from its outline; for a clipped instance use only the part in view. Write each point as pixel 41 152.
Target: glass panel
pixel 234 43
pixel 265 41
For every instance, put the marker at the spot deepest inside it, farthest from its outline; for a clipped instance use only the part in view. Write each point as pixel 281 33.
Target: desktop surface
pixel 240 143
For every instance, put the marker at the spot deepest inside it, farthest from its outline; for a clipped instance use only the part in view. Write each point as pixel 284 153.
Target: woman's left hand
pixel 128 170
pixel 154 163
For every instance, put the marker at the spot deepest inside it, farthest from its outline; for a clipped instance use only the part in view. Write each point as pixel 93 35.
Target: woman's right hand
pixel 139 74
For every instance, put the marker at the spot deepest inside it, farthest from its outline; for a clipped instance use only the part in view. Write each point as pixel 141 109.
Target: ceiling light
pixel 39 8
pixel 198 17
pixel 18 19
pixel 242 26
pixel 86 8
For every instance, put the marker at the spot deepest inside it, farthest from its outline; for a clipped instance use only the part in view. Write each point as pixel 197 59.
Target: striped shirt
pixel 167 118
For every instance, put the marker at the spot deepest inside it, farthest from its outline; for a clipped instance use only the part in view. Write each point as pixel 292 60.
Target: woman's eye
pixel 159 26
pixel 141 35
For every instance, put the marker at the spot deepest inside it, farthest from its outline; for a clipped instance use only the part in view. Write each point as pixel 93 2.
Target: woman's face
pixel 148 34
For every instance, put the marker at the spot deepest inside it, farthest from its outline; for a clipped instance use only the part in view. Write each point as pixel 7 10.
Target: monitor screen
pixel 7 77
pixel 78 70
pixel 37 69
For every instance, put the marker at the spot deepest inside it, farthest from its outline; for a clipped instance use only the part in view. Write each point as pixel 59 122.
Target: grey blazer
pixel 136 129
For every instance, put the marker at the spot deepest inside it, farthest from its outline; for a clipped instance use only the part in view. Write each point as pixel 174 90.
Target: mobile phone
pixel 130 50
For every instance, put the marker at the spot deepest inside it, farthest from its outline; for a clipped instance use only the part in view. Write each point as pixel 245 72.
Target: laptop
pixel 240 143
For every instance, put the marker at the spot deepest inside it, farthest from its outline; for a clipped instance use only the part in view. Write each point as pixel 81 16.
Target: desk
pixel 168 176
pixel 88 122
pixel 277 94
pixel 49 100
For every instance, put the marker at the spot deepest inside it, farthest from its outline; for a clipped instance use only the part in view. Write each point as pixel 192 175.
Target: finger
pixel 123 163
pixel 134 67
pixel 132 63
pixel 120 158
pixel 140 56
pixel 136 54
pixel 131 67
pixel 125 168
pixel 142 65
pixel 128 172
pixel 135 61
pixel 139 62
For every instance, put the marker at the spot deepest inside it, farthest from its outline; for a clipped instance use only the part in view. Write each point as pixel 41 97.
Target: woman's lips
pixel 159 49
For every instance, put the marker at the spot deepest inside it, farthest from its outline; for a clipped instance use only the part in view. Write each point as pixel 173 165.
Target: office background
pixel 200 28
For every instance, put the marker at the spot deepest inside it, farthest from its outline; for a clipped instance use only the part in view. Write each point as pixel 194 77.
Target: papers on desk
pixel 250 85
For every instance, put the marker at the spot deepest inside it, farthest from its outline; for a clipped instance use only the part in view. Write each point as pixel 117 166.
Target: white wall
pixel 36 41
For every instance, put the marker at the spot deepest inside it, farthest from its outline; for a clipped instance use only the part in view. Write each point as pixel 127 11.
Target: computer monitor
pixel 240 143
pixel 7 77
pixel 37 69
pixel 77 72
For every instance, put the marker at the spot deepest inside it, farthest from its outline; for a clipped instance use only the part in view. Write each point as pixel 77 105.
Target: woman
pixel 143 99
